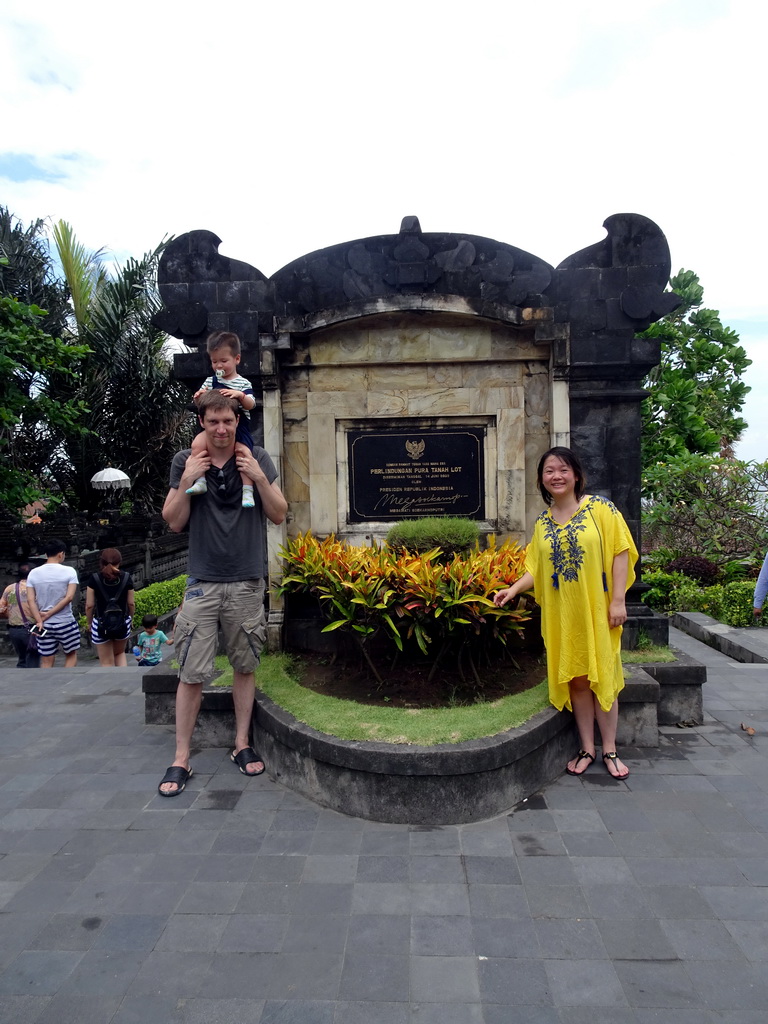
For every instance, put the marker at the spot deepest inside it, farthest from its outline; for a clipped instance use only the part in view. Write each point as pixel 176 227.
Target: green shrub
pixel 667 590
pixel 657 559
pixel 708 600
pixel 737 604
pixel 159 598
pixel 699 569
pixel 741 569
pixel 730 603
pixel 452 534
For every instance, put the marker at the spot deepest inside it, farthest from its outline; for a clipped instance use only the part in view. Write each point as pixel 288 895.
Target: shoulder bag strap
pixel 24 618
pixel 123 585
pixel 97 583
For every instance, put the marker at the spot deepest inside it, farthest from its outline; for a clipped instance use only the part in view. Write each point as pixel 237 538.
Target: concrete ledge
pixel 749 646
pixel 216 721
pixel 441 785
pixel 638 705
pixel 680 697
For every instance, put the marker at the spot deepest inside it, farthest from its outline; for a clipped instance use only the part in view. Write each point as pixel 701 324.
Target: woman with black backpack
pixel 109 608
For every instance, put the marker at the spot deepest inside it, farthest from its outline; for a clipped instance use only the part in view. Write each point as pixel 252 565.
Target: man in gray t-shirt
pixel 227 569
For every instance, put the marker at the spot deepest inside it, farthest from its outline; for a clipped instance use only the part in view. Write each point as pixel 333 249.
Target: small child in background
pixel 150 642
pixel 224 350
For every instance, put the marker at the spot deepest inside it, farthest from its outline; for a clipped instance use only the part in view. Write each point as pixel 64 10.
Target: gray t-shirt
pixel 50 582
pixel 226 541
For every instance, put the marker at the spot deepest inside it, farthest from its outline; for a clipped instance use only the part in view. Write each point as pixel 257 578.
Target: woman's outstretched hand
pixel 502 597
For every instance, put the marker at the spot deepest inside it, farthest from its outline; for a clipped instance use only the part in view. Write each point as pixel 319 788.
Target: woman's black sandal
pixel 613 756
pixel 580 756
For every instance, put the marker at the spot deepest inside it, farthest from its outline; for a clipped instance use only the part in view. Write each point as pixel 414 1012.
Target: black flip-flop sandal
pixel 245 757
pixel 580 756
pixel 613 756
pixel 177 775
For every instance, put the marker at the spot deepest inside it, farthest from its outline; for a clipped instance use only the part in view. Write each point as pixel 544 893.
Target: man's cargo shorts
pixel 237 608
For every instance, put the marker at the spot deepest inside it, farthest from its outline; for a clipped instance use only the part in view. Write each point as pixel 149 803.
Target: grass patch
pixel 649 654
pixel 349 720
pixel 276 677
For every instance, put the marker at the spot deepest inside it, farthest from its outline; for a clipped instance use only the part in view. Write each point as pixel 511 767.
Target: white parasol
pixel 110 477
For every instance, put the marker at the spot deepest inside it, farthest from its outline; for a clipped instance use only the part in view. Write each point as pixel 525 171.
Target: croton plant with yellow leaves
pixel 381 591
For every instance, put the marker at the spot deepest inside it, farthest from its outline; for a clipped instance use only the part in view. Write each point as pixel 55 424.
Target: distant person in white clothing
pixel 51 589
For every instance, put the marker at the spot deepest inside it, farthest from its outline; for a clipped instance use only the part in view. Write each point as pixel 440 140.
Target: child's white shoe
pixel 198 487
pixel 248 501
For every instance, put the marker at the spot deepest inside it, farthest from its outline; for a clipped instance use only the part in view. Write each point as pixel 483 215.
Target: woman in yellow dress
pixel 580 563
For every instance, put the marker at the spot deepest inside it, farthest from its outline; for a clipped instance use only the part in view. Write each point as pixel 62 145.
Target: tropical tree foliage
pixel 105 395
pixel 137 413
pixel 84 275
pixel 27 272
pixel 711 506
pixel 27 355
pixel 696 393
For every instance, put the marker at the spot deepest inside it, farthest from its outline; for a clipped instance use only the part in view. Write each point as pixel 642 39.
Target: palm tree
pixel 27 272
pixel 33 342
pixel 138 414
pixel 134 413
pixel 83 272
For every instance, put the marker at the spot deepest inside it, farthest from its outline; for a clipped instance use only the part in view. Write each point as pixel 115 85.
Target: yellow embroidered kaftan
pixel 567 563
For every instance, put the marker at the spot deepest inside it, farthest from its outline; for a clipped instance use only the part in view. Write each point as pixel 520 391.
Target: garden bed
pixel 410 683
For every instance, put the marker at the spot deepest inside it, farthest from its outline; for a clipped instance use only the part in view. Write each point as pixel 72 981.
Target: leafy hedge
pixel 730 603
pixel 454 535
pixel 159 598
pixel 402 596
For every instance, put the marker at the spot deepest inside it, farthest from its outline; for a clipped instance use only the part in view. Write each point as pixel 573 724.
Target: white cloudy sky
pixel 289 126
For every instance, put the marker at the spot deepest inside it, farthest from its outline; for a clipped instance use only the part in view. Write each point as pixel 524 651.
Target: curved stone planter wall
pixel 442 785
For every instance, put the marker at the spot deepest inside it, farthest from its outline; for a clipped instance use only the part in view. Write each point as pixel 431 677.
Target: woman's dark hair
pixel 572 460
pixel 110 563
pixel 23 571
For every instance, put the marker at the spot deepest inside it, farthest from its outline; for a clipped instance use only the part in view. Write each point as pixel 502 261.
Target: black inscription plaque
pixel 406 474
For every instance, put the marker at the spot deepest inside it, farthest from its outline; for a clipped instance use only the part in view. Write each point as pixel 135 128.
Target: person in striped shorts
pixel 51 589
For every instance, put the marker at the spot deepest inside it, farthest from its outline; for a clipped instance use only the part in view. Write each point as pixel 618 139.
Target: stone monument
pixel 424 373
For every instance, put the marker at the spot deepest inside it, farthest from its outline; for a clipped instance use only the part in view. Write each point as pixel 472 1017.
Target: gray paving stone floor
pixel 241 903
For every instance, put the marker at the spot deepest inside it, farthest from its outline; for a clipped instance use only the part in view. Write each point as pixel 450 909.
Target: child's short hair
pixel 223 339
pixel 149 621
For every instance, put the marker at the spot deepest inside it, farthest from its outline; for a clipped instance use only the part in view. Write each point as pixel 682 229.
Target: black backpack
pixel 112 619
